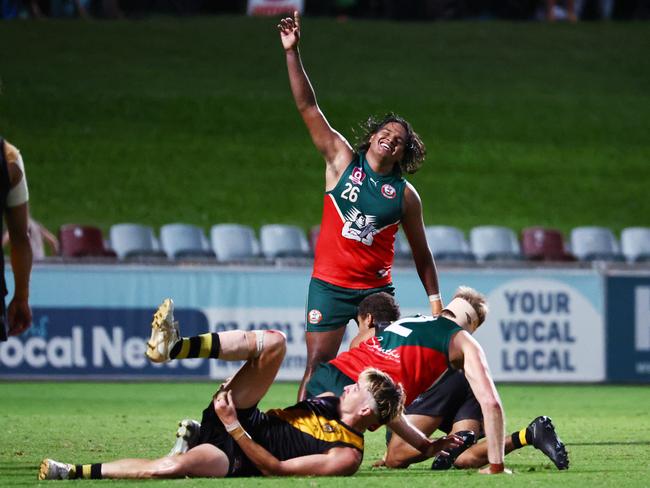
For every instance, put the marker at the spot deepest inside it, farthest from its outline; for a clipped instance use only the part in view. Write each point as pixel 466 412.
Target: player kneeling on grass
pixel 320 436
pixel 450 406
pixel 416 352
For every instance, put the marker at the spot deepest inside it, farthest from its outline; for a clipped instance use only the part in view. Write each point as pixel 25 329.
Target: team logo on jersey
pixel 314 316
pixel 388 191
pixel 328 428
pixel 357 176
pixel 359 226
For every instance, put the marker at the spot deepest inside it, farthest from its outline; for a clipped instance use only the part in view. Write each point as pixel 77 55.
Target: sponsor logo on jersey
pixel 357 176
pixel 374 344
pixel 373 181
pixel 388 191
pixel 314 316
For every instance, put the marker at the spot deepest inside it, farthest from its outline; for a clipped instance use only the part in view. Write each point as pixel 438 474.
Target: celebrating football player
pixel 366 198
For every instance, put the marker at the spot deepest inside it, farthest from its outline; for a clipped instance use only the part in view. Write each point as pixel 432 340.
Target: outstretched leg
pixel 540 433
pixel 263 351
pixel 203 461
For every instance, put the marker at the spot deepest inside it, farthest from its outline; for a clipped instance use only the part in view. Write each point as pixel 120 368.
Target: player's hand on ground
pixel 290 31
pixel 495 469
pixel 380 463
pixel 224 407
pixel 441 447
pixel 19 316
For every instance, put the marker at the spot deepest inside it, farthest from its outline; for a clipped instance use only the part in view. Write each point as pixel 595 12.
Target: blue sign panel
pixel 95 342
pixel 628 328
pixel 93 320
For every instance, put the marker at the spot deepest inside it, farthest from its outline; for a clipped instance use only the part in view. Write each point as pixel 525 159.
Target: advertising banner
pixel 93 321
pixel 274 7
pixel 628 328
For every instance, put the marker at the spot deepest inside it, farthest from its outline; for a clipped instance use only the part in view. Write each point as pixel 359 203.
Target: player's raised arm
pixel 333 146
pixel 463 347
pixel 413 225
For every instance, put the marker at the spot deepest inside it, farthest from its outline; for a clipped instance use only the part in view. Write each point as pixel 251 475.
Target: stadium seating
pixel 542 244
pixel 494 243
pixel 234 242
pixel 132 241
pixel 448 244
pixel 591 243
pixel 279 240
pixel 635 243
pixel 314 233
pixel 402 247
pixel 180 241
pixel 82 241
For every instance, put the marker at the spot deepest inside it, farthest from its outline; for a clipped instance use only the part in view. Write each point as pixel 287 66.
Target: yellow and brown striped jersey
pixel 309 427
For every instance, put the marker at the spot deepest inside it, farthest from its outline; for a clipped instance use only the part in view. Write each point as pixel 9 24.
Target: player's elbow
pixel 167 467
pixel 19 240
pixel 491 405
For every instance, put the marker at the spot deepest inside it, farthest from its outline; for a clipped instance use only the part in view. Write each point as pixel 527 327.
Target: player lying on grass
pixel 320 436
pixel 416 352
pixel 450 406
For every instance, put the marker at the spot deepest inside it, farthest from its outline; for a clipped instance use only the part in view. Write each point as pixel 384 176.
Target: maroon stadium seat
pixel 542 244
pixel 82 240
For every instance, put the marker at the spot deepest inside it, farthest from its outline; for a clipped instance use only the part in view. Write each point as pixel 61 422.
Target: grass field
pixel 192 120
pixel 606 429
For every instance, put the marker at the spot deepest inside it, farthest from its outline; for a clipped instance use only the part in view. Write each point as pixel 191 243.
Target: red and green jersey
pixel 414 351
pixel 361 215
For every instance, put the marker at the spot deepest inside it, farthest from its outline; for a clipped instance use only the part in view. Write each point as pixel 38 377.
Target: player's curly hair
pixel 414 151
pixel 381 305
pixel 388 395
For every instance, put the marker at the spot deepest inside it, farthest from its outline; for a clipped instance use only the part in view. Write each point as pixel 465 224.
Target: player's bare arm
pixel 19 314
pixel 336 461
pixel 402 427
pixel 332 145
pixel 413 225
pixel 466 353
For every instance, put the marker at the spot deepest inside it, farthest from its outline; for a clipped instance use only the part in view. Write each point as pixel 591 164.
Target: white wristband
pixel 233 426
pixel 434 298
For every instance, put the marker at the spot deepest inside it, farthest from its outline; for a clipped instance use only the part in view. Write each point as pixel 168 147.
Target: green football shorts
pixel 330 307
pixel 327 378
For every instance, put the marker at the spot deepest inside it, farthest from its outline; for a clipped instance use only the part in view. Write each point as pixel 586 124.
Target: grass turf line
pixel 606 428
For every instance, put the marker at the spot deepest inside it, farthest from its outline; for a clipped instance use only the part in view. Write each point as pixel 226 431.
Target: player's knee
pixel 396 459
pixel 275 341
pixel 317 356
pixel 269 342
pixel 468 460
pixel 167 467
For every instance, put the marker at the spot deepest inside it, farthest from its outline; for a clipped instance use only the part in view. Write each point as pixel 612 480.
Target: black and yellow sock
pixel 87 472
pixel 202 346
pixel 521 438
